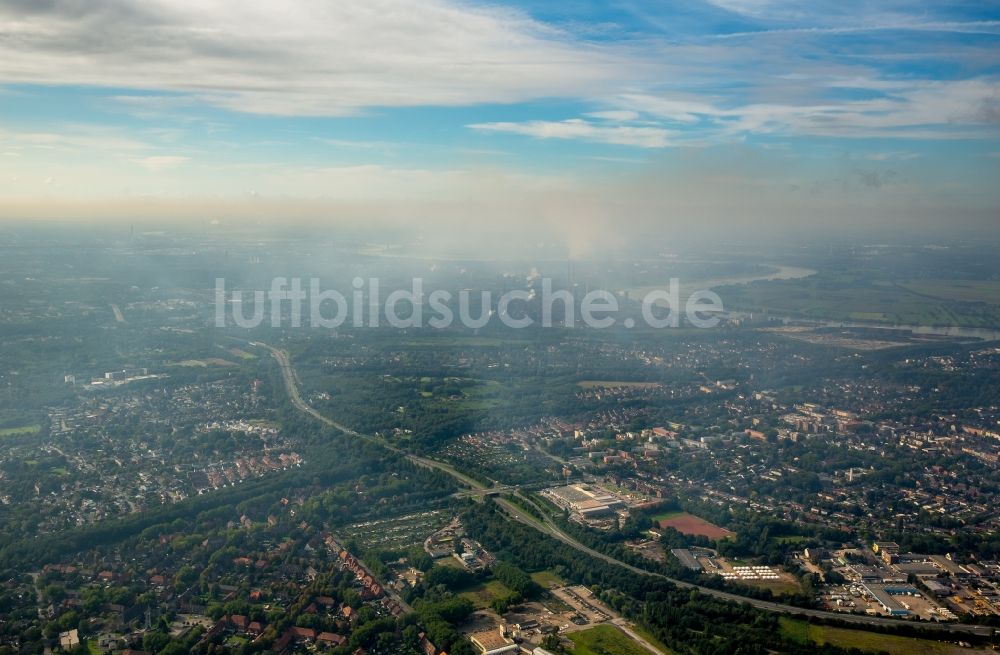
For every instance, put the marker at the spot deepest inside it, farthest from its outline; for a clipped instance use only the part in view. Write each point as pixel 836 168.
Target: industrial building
pixel 492 642
pixel 584 500
pixel 885 596
pixel 937 588
pixel 686 558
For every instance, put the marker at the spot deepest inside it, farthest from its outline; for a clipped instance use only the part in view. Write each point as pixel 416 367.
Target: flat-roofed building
pixel 890 547
pixel 69 639
pixel 918 568
pixel 885 596
pixel 937 588
pixel 585 500
pixel 686 558
pixel 491 642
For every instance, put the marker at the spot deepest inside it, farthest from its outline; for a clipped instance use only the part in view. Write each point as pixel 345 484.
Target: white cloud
pixel 755 8
pixel 950 108
pixel 301 57
pixel 157 163
pixel 617 115
pixel 896 24
pixel 672 109
pixel 304 57
pixel 82 137
pixel 958 109
pixel 928 110
pixel 640 137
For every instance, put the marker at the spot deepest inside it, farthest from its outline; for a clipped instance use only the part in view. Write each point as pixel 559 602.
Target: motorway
pixel 547 526
pixel 292 387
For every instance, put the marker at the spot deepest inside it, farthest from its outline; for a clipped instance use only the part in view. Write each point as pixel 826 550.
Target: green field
pixel 851 298
pixel 24 429
pixel 462 341
pixel 777 586
pixel 590 384
pixel 450 562
pixel 546 579
pixel 648 636
pixel 987 291
pixel 804 632
pixel 483 594
pixel 666 516
pixel 604 640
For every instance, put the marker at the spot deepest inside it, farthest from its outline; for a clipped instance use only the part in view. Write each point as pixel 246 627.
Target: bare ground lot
pixel 690 524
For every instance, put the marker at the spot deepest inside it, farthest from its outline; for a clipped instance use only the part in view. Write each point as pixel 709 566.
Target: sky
pixel 632 115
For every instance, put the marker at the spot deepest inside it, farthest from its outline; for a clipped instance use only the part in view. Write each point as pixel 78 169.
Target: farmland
pixel 843 297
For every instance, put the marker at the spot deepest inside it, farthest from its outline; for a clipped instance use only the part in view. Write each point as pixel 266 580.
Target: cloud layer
pixel 302 58
pixel 597 113
pixel 575 128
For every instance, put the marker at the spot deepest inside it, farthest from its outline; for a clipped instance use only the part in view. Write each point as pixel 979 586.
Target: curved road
pixel 291 386
pixel 549 527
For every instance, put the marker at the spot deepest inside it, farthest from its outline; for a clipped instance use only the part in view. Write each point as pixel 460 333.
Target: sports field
pixel 690 524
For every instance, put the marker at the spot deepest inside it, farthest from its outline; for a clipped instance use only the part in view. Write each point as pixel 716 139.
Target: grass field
pixel 804 632
pixel 460 341
pixel 23 429
pixel 610 384
pixel 483 594
pixel 546 579
pixel 843 297
pixel 666 516
pixel 777 586
pixel 987 291
pixel 648 636
pixel 450 562
pixel 203 363
pixel 242 354
pixel 604 640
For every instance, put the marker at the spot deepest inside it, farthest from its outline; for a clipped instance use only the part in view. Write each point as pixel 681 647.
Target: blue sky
pixel 584 111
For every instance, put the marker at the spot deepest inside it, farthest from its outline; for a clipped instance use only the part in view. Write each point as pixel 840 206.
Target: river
pixel 784 272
